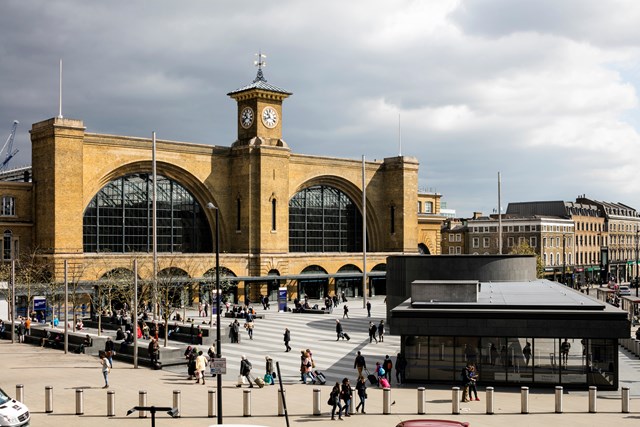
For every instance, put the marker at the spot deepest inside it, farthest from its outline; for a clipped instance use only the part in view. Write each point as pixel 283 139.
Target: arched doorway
pixel 423 249
pixel 350 286
pixel 378 285
pixel 228 285
pixel 313 288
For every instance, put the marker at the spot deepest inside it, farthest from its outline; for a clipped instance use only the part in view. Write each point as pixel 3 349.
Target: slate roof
pixel 259 83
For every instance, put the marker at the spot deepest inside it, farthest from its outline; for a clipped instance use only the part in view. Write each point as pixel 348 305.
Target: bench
pixel 233 315
pixel 167 356
pixel 310 311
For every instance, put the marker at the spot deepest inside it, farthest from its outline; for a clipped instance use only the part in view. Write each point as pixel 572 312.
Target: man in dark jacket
pixel 339 332
pixel 287 338
pixel 245 369
pixel 373 329
pixel 359 364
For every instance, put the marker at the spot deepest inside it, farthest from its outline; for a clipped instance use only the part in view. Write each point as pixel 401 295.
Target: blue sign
pixel 282 299
pixel 39 304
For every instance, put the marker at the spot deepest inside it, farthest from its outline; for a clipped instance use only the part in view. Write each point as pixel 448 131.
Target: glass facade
pixel 119 218
pixel 324 219
pixel 571 362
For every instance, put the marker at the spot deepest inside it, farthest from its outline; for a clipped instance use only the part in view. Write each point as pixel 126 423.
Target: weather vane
pixel 260 62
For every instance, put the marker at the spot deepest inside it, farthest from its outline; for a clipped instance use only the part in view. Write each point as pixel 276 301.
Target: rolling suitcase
pixel 320 378
pixel 346 335
pixel 372 379
pixel 259 382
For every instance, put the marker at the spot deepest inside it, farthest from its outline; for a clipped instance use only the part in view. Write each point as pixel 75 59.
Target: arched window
pixel 324 219
pixel 119 218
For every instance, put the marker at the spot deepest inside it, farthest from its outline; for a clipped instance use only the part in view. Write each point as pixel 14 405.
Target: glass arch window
pixel 324 219
pixel 119 218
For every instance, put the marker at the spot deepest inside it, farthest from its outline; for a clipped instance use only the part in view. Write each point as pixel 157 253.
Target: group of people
pixel 379 330
pixel 197 362
pixel 469 377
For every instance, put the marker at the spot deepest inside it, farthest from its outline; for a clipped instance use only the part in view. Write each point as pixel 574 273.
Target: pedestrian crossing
pixel 315 332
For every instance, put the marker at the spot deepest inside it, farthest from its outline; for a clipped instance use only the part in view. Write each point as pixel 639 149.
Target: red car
pixel 432 423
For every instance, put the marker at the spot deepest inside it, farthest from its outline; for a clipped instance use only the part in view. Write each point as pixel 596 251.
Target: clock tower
pixel 259 111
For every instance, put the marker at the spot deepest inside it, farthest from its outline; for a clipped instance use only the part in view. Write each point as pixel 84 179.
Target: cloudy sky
pixel 544 91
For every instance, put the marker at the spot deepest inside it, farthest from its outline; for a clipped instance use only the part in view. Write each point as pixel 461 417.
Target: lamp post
pixel 564 259
pixel 637 283
pixel 218 349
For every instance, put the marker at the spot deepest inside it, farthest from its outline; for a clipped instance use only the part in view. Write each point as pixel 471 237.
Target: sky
pixel 543 91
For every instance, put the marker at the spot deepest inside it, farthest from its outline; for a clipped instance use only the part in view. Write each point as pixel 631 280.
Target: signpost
pixel 218 366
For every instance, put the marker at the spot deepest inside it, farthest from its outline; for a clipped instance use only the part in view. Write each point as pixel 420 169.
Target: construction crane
pixel 10 152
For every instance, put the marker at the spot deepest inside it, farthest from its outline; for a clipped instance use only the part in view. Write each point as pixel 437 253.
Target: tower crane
pixel 10 152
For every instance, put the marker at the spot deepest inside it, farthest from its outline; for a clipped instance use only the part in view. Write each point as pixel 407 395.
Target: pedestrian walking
pixel 381 331
pixel 109 350
pixel 305 367
pixel 345 312
pixel 287 338
pixel 339 331
pixel 201 365
pixel 373 330
pixel 106 368
pixel 345 395
pixel 334 401
pixel 270 372
pixel 245 370
pixel 360 364
pixel 206 309
pixel 369 309
pixel 526 352
pixel 401 366
pixel 361 389
pixel 387 364
pixel 154 351
pixel 22 330
pixel 465 377
pixel 473 377
pixel 190 355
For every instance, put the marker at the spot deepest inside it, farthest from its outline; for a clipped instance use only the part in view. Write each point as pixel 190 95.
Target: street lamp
pixel 637 283
pixel 218 349
pixel 564 259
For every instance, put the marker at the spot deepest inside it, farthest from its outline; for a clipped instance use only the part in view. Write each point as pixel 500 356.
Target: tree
pixel 524 249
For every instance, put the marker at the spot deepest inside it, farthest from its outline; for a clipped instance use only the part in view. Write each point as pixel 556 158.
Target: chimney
pixel 477 215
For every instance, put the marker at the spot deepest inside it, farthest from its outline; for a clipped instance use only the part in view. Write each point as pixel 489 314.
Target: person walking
pixel 368 308
pixel 372 332
pixel 345 395
pixel 154 351
pixel 201 365
pixel 268 367
pixel 106 368
pixel 108 349
pixel 526 352
pixel 334 400
pixel 361 389
pixel 401 366
pixel 287 338
pixel 473 377
pixel 22 330
pixel 387 364
pixel 245 370
pixel 381 331
pixel 465 377
pixel 345 312
pixel 360 364
pixel 305 367
pixel 249 325
pixel 339 331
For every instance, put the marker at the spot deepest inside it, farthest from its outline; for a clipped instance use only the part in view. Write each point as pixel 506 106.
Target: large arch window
pixel 119 218
pixel 324 219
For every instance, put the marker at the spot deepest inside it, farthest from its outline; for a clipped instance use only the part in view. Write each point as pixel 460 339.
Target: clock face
pixel 269 117
pixel 246 117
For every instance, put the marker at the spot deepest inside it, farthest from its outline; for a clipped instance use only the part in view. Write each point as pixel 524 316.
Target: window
pixel 510 242
pixel 324 219
pixel 533 242
pixel 458 237
pixel 486 242
pixel 452 250
pixel 476 242
pixel 7 245
pixel 520 241
pixel 273 214
pixel 118 219
pixel 419 207
pixel 8 206
pixel 428 207
pixel 452 237
pixel 458 250
pixel 544 242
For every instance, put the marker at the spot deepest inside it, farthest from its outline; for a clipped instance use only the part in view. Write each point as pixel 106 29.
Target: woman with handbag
pixel 361 388
pixel 334 401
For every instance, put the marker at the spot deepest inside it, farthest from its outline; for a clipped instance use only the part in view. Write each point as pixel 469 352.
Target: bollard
pixel 593 395
pixel 111 403
pixel 455 400
pixel 489 399
pixel 316 402
pixel 212 404
pixel 142 401
pixel 352 402
pixel 386 401
pixel 177 403
pixel 246 403
pixel 524 400
pixel 558 399
pixel 20 393
pixel 625 400
pixel 421 401
pixel 48 399
pixel 281 395
pixel 79 402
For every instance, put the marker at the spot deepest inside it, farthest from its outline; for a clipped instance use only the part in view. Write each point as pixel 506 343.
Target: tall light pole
pixel 218 349
pixel 637 283
pixel 564 259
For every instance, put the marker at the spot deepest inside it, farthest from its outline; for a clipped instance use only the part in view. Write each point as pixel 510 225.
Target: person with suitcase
pixel 245 371
pixel 339 331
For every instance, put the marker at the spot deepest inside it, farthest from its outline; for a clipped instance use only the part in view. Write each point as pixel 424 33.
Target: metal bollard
pixel 246 403
pixel 524 400
pixel 593 396
pixel 142 401
pixel 625 400
pixel 48 399
pixel 177 403
pixel 352 402
pixel 79 402
pixel 281 395
pixel 489 399
pixel 212 404
pixel 455 400
pixel 421 401
pixel 316 402
pixel 20 393
pixel 558 399
pixel 386 401
pixel 111 403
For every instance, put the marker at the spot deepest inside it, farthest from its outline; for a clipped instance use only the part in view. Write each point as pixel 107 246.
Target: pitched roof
pixel 259 83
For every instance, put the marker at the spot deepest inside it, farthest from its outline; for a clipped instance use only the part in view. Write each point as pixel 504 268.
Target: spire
pixel 260 62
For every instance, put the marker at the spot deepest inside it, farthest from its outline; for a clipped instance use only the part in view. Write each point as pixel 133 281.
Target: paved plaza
pixel 37 368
